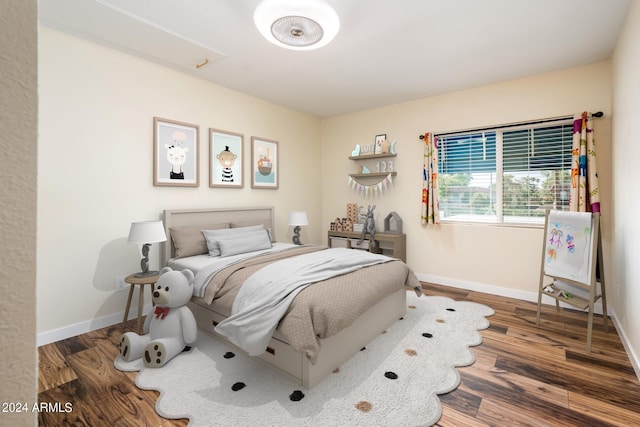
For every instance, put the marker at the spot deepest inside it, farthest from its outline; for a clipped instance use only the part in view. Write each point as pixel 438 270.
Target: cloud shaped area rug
pixel 393 381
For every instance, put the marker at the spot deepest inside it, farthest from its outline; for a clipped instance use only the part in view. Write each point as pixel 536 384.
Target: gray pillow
pixel 212 236
pixel 252 241
pixel 246 224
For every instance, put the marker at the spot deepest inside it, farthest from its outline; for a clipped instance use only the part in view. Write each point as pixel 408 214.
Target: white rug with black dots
pixel 394 381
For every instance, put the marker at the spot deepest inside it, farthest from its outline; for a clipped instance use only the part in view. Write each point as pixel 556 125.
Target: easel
pixel 561 288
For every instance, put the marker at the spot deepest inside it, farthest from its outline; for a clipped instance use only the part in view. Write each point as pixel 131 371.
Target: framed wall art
pixel 226 159
pixel 176 153
pixel 264 163
pixel 379 141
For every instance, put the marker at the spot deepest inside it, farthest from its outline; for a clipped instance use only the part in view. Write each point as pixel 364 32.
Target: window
pixel 505 175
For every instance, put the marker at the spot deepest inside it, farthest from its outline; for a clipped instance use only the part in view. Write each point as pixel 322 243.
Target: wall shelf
pixel 372 175
pixel 372 156
pixel 372 180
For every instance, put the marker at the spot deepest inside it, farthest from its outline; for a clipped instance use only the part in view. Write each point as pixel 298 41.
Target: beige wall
pixel 96 172
pixel 626 176
pixel 500 259
pixel 18 121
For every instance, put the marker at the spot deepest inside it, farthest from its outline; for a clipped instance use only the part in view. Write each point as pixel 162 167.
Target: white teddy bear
pixel 170 325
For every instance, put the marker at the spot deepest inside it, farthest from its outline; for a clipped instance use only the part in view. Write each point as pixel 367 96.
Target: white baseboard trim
pixel 65 332
pixel 532 297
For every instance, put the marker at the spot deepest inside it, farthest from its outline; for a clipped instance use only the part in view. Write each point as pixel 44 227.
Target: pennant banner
pixel 373 190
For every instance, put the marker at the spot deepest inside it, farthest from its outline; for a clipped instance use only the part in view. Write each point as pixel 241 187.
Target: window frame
pixel 499 219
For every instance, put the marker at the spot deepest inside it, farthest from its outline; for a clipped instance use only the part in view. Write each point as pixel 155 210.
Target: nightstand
pixel 138 281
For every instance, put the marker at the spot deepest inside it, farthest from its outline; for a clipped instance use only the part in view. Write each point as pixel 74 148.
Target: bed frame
pixel 334 351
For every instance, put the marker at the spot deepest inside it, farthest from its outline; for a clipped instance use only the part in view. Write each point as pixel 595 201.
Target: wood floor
pixel 523 375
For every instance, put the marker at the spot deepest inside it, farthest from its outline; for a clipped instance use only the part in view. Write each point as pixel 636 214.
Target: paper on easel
pixel 568 245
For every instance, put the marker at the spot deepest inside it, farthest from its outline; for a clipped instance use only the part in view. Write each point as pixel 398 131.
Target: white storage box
pixel 339 242
pixel 363 245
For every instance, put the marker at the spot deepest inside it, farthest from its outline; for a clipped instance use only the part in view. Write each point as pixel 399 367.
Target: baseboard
pixel 532 297
pixel 54 335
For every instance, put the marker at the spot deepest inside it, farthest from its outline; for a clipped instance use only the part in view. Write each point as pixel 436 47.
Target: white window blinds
pixel 505 174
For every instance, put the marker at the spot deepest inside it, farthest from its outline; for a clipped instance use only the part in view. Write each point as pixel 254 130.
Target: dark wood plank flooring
pixel 523 375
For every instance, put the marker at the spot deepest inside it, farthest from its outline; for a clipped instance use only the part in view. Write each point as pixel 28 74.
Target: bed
pixel 327 322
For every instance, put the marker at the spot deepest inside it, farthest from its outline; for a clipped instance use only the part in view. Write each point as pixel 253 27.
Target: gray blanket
pixel 266 295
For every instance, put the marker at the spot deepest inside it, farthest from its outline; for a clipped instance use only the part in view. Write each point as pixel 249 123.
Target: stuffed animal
pixel 369 227
pixel 170 325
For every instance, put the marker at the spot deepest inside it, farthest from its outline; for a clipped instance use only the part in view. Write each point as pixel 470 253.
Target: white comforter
pixel 266 295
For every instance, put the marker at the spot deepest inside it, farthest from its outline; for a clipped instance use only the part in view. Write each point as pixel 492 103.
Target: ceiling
pixel 386 52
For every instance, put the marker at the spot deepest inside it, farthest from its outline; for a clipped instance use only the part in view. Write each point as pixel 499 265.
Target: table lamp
pixel 296 219
pixel 146 233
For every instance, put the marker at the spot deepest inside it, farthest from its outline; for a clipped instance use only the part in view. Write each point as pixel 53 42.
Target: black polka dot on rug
pixel 451 309
pixel 238 386
pixel 427 335
pixel 296 396
pixel 391 375
pixel 229 355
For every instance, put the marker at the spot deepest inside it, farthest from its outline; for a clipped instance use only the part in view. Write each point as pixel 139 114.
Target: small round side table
pixel 142 281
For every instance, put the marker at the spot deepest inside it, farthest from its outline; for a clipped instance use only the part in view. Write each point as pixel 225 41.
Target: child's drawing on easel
pixel 568 245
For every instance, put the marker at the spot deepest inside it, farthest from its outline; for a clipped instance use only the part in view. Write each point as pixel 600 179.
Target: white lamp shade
pixel 315 12
pixel 298 218
pixel 146 232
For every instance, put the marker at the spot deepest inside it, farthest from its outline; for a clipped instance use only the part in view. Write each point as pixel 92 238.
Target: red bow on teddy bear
pixel 161 311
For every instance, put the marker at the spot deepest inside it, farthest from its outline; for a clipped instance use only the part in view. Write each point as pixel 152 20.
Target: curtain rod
pixel 536 122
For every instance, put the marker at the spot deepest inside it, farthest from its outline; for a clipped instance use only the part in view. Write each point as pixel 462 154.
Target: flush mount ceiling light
pixel 297 24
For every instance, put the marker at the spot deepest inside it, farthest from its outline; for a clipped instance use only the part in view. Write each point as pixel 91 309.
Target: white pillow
pixel 252 241
pixel 211 236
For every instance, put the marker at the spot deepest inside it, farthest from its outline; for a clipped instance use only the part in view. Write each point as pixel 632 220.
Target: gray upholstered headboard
pixel 194 217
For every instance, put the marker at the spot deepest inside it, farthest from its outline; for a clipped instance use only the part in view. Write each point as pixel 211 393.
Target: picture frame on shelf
pixel 226 159
pixel 378 143
pixel 176 153
pixel 264 163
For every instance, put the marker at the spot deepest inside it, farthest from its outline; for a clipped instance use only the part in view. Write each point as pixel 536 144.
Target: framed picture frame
pixel 377 148
pixel 176 153
pixel 264 163
pixel 226 159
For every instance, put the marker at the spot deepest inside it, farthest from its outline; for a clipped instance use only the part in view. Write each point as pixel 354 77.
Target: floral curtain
pixel 585 191
pixel 430 203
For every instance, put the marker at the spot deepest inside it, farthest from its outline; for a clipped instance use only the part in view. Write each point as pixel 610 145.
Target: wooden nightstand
pixel 141 281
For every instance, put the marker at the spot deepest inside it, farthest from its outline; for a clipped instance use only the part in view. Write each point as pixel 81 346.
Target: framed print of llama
pixel 264 163
pixel 176 153
pixel 226 159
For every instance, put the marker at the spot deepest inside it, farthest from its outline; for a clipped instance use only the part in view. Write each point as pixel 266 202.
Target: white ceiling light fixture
pixel 297 24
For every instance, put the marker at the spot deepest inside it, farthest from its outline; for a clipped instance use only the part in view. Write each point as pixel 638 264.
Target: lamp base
pixel 147 273
pixel 296 235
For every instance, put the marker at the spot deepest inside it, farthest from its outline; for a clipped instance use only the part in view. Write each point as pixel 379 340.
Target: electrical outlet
pixel 121 285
